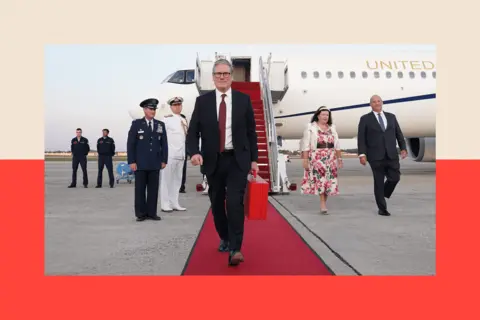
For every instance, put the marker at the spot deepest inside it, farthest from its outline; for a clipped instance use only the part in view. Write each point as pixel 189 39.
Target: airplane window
pixel 364 74
pixel 376 74
pixel 400 74
pixel 352 74
pixel 167 77
pixel 328 74
pixel 340 74
pixel 190 74
pixel 178 77
pixel 434 74
pixel 423 74
pixel 316 74
pixel 412 74
pixel 389 74
pixel 304 74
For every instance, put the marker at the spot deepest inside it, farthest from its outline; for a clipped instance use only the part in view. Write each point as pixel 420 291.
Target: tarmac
pixel 94 232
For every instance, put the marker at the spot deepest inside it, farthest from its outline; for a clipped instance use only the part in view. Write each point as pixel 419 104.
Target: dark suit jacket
pixel 375 143
pixel 147 149
pixel 204 126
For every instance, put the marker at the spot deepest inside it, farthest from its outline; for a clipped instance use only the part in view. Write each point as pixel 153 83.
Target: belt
pixel 227 152
pixel 325 145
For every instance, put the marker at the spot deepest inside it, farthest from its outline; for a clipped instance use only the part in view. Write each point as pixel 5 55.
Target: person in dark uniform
pixel 147 153
pixel 184 173
pixel 80 149
pixel 106 151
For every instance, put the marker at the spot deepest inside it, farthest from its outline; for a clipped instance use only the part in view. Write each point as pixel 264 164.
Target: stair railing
pixel 270 128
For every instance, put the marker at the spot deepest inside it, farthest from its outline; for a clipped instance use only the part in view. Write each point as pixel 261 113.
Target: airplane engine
pixel 421 149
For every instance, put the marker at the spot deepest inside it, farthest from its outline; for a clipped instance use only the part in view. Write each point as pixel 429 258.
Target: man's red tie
pixel 222 119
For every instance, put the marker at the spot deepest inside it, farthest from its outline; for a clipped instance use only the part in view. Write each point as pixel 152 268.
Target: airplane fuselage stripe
pixel 363 105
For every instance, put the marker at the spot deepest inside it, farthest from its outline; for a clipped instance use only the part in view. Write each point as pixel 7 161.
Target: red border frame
pixel 25 293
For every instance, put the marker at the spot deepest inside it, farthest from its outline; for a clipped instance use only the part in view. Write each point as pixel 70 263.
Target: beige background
pixel 25 26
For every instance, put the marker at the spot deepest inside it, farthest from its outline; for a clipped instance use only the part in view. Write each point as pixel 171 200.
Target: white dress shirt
pixel 228 124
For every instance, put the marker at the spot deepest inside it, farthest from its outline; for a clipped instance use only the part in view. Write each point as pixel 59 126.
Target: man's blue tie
pixel 380 119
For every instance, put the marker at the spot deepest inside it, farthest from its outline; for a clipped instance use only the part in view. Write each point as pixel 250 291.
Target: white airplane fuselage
pixel 411 99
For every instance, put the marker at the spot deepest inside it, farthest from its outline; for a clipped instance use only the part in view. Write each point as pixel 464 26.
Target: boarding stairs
pixel 272 164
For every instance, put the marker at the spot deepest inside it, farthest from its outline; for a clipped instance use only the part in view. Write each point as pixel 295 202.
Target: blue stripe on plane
pixel 363 105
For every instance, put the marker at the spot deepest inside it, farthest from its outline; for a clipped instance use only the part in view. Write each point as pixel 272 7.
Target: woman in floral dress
pixel 321 157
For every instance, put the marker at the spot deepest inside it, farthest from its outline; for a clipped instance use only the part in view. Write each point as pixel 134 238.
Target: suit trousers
pixel 228 182
pixel 389 168
pixel 170 185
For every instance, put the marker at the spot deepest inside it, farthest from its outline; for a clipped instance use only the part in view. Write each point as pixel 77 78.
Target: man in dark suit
pixel 378 132
pixel 224 120
pixel 147 153
pixel 184 171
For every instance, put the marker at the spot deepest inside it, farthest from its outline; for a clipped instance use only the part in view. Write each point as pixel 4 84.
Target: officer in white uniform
pixel 171 181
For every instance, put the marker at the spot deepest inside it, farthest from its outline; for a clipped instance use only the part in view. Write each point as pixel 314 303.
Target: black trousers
pixel 383 189
pixel 146 192
pixel 228 182
pixel 184 175
pixel 106 161
pixel 83 164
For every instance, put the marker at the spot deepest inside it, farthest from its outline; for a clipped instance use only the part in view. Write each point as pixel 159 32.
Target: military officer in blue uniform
pixel 147 153
pixel 106 151
pixel 80 149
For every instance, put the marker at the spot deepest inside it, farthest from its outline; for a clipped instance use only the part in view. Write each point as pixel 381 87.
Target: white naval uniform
pixel 171 178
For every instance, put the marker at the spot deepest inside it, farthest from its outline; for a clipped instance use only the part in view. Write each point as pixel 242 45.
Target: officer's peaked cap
pixel 175 100
pixel 151 103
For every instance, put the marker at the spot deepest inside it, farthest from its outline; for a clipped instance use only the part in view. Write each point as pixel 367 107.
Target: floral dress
pixel 321 178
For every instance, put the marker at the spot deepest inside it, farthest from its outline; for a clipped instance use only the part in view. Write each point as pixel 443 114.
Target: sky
pixel 94 86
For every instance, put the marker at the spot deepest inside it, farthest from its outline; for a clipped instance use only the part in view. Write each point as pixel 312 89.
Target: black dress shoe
pixel 182 191
pixel 384 213
pixel 72 186
pixel 155 218
pixel 85 186
pixel 98 187
pixel 141 218
pixel 234 258
pixel 223 247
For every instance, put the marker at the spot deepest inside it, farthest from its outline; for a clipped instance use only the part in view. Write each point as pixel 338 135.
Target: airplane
pixel 342 81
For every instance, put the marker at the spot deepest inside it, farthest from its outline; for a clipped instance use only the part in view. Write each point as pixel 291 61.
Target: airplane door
pixel 198 74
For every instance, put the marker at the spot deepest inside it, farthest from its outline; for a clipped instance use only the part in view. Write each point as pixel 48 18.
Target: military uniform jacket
pixel 79 148
pixel 177 132
pixel 106 146
pixel 145 148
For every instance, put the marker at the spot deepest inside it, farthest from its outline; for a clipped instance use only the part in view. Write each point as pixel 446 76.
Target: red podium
pixel 256 198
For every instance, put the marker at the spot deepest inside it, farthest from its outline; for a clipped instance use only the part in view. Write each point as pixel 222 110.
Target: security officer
pixel 106 151
pixel 184 172
pixel 147 153
pixel 80 149
pixel 171 180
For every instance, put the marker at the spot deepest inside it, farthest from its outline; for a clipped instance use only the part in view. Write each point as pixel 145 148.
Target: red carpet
pixel 270 247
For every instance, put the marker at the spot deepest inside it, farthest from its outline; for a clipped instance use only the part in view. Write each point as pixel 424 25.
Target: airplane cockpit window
pixel 190 76
pixel 181 77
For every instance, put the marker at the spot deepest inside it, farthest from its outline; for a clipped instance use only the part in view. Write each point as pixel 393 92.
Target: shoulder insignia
pixel 169 116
